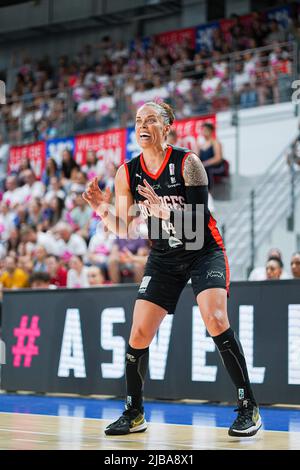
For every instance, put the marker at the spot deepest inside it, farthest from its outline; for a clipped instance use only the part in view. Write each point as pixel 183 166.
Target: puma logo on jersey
pixel 138 176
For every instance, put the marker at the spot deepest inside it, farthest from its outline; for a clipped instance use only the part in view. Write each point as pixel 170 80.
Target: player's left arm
pixel 194 173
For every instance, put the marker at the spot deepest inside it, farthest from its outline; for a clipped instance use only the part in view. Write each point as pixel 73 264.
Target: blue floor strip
pixel 274 419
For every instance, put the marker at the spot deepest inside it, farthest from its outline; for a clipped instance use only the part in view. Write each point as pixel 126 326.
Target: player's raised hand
pixel 98 200
pixel 152 201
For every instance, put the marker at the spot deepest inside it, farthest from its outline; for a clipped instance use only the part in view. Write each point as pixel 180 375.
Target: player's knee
pixel 216 322
pixel 139 338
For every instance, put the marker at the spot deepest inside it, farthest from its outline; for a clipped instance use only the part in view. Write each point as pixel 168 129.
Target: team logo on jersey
pixel 173 179
pixel 217 274
pixel 173 242
pixel 172 169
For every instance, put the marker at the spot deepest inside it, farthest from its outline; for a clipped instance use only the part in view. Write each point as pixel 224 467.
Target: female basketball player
pixel 164 179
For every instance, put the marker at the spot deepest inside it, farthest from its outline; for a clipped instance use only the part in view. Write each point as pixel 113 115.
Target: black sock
pixel 136 368
pixel 234 361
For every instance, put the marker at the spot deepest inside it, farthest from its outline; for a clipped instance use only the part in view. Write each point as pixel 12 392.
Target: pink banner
pixel 109 146
pixel 190 131
pixel 35 153
pixel 172 38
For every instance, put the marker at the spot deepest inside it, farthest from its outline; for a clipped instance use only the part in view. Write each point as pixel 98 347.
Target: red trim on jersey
pixel 161 169
pixel 212 225
pixel 127 174
pixel 183 162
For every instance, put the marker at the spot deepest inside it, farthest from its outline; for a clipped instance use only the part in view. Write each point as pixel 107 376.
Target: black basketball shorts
pixel 166 276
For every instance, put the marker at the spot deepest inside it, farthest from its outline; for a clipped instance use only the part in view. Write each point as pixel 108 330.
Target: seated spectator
pixel 211 154
pixel 276 33
pixel 32 238
pixel 118 267
pixel 104 108
pixel 99 248
pixel 78 273
pixel 32 187
pixel 34 213
pixel 93 167
pixel 68 243
pixel 259 273
pixel 274 269
pixel 57 273
pixel 12 196
pixel 266 83
pixel 295 265
pixel 39 280
pixel 96 276
pixel 68 164
pixel 7 221
pixel 210 85
pixel 40 255
pixel 80 216
pixel 54 190
pixel 50 171
pixel 13 277
pixel 25 262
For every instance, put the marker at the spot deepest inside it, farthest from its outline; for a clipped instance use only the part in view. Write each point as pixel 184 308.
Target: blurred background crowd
pixel 48 234
pixel 247 64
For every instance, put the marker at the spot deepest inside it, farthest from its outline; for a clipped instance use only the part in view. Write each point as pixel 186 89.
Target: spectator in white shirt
pixel 68 243
pixel 6 221
pixel 33 238
pixel 78 273
pixel 210 85
pixel 12 195
pixel 32 187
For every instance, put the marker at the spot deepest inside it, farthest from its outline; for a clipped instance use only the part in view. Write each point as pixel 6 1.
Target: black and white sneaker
pixel 132 420
pixel 247 422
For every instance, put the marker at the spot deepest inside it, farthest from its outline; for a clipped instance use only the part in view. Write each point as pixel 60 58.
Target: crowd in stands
pixel 49 236
pixel 274 268
pixel 104 83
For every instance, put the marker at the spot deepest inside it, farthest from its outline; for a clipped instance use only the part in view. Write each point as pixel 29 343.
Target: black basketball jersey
pixel 169 185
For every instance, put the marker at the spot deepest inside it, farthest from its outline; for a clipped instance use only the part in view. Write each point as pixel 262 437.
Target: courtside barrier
pixel 74 341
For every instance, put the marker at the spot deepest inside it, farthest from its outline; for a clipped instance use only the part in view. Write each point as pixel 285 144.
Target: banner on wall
pixel 35 153
pixel 55 148
pixel 180 36
pixel 281 14
pixel 190 131
pixel 204 36
pixel 109 145
pixel 74 341
pixel 227 23
pixel 132 147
